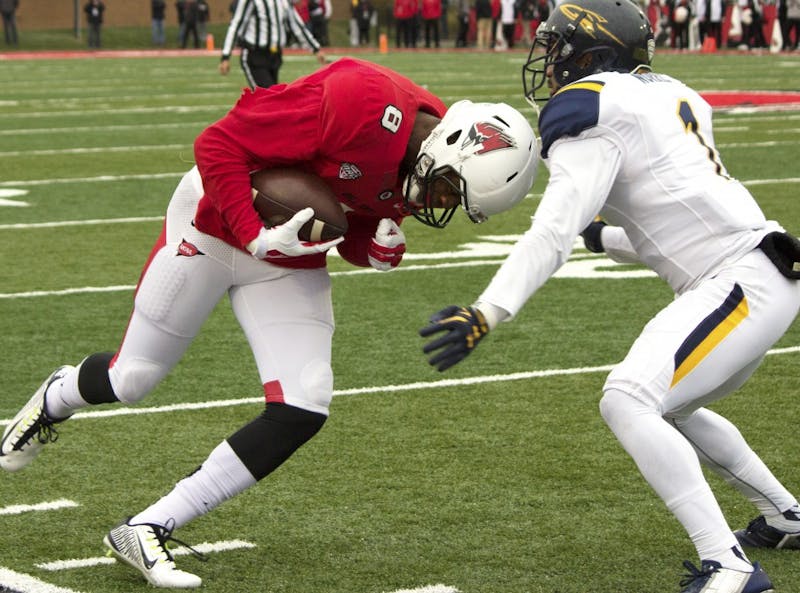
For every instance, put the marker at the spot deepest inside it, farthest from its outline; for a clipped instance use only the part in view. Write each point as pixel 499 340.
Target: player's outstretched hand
pixel 464 327
pixel 283 239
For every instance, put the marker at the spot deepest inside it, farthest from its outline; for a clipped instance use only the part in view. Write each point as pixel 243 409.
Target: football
pixel 279 193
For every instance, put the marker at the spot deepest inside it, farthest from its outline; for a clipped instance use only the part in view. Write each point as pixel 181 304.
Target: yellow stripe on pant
pixel 710 332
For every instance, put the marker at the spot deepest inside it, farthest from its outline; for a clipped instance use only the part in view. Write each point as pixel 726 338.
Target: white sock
pixel 62 398
pixel 221 477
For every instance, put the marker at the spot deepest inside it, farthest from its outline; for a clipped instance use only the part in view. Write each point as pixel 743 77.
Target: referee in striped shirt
pixel 259 28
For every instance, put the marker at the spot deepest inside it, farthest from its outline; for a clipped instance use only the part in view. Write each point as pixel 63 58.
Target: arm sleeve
pixel 248 139
pixel 357 240
pixel 581 175
pixel 233 28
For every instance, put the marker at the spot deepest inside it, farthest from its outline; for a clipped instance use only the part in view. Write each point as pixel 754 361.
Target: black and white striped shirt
pixel 261 24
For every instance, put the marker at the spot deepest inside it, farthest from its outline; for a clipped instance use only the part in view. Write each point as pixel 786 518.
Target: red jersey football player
pixel 389 149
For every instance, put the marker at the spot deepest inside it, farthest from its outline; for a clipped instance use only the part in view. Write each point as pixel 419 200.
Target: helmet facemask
pixel 553 48
pixel 427 186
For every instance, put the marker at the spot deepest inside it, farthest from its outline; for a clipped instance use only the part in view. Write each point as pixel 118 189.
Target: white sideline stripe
pixel 94 150
pixel 13 203
pixel 136 411
pixel 25 583
pixel 66 291
pixel 205 548
pixel 18 509
pixel 30 182
pixel 125 110
pixel 429 589
pixel 115 128
pixel 63 223
pixel 128 287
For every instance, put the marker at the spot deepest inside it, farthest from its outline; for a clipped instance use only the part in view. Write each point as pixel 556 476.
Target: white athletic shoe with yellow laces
pixel 31 429
pixel 144 548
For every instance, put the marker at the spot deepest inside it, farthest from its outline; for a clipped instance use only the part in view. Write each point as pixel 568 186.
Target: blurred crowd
pixel 481 24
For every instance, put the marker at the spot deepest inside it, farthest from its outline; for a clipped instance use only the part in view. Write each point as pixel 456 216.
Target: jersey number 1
pixel 691 126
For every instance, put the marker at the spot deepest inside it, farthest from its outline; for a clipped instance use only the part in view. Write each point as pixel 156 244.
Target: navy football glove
pixel 465 327
pixel 591 236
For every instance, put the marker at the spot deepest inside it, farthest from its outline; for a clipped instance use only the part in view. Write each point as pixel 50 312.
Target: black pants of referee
pixel 261 66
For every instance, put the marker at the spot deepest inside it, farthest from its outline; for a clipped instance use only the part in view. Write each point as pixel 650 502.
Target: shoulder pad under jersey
pixel 571 110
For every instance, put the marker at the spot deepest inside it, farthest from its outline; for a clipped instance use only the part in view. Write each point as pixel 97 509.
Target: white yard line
pixel 18 509
pixel 204 548
pixel 429 589
pixel 25 583
pixel 416 386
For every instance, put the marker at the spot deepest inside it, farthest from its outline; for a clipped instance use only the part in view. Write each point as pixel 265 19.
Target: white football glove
pixel 283 239
pixel 387 246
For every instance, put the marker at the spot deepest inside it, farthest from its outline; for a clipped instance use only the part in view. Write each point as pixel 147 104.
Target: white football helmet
pixel 487 154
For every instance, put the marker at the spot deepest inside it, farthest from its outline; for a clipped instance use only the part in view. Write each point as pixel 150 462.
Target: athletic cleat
pixel 144 547
pixel 760 535
pixel 31 429
pixel 712 578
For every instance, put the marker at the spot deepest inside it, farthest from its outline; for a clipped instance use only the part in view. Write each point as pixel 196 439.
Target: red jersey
pixel 349 123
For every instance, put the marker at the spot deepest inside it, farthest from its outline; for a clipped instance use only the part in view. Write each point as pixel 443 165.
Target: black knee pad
pixel 274 436
pixel 93 381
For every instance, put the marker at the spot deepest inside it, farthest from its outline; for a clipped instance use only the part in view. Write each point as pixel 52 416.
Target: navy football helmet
pixel 584 37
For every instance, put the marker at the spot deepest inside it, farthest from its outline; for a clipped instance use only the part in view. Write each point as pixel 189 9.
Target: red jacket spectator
pixel 431 9
pixel 405 9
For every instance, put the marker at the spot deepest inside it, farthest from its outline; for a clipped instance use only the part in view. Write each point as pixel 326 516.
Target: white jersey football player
pixel 636 148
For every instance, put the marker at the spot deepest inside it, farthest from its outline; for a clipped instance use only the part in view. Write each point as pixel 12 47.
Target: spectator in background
pixel 362 13
pixel 319 13
pixel 709 12
pixel 262 44
pixel 463 23
pixel 190 16
pixel 495 22
pixel 543 12
pixel 680 15
pixel 527 11
pixel 203 14
pixel 405 11
pixel 431 13
pixel 483 17
pixel 158 9
pixel 180 7
pixel 508 25
pixel 301 6
pixel 444 27
pixel 752 24
pixel 94 17
pixel 792 24
pixel 8 8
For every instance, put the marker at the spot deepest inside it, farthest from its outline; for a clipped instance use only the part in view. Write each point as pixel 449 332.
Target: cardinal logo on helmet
pixel 489 137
